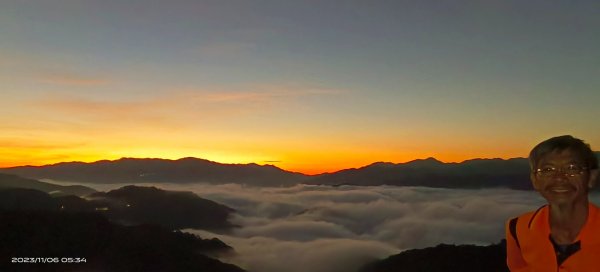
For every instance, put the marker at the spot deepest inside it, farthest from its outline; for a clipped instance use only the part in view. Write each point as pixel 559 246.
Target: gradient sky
pixel 308 86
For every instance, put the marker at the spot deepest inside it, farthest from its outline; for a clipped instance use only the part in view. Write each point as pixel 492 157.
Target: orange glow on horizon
pixel 296 153
pixel 314 168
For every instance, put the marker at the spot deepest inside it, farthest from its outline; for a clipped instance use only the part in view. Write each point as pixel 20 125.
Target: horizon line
pixel 264 164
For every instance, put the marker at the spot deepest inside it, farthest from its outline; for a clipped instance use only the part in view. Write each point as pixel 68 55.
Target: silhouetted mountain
pixel 186 170
pixel 177 210
pixel 477 173
pixel 129 205
pixel 12 181
pixel 20 199
pixel 105 246
pixel 444 258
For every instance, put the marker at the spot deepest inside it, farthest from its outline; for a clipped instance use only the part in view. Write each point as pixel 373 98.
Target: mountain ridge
pixel 103 245
pixel 444 257
pixel 14 181
pixel 150 170
pixel 473 173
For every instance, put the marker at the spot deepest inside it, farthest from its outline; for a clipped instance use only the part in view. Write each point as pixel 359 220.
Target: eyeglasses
pixel 571 170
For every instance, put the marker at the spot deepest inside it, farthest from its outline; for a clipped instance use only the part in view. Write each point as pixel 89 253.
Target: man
pixel 563 235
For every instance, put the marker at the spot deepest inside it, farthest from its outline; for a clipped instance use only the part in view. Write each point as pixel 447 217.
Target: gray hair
pixel 561 143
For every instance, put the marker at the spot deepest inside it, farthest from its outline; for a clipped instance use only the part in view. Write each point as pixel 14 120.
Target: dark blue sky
pixel 314 84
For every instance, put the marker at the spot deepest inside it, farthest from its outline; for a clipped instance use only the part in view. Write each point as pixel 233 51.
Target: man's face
pixel 558 183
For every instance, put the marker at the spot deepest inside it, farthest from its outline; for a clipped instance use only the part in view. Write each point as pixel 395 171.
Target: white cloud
pixel 323 255
pixel 293 230
pixel 320 228
pixel 330 229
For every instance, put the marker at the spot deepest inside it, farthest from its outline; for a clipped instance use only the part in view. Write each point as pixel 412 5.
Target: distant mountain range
pixel 186 170
pixel 476 173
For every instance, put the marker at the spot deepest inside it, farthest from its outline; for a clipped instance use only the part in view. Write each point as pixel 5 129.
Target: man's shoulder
pixel 528 215
pixel 594 212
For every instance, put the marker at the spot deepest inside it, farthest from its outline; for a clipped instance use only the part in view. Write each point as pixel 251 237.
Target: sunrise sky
pixel 309 86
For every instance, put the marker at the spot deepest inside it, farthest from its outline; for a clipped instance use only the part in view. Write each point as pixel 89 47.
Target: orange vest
pixel 529 248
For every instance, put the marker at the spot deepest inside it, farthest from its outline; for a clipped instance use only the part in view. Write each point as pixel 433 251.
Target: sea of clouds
pixel 331 229
pixel 339 229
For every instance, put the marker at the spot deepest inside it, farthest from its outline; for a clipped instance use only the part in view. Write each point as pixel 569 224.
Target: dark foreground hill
pixel 12 181
pixel 176 210
pixel 445 258
pixel 129 205
pixel 95 244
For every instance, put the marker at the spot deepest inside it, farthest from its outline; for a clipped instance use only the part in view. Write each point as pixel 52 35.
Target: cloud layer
pixel 331 229
pixel 318 228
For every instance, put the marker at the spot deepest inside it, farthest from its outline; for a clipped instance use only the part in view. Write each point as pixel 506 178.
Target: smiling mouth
pixel 560 190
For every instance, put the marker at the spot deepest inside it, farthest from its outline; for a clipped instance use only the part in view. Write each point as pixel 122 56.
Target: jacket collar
pixel 589 233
